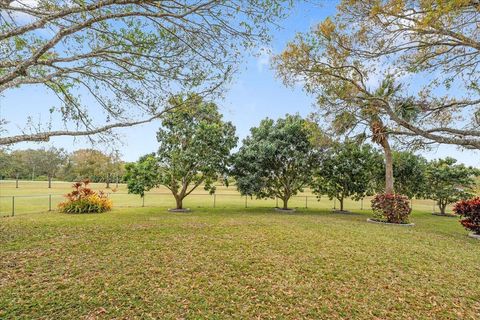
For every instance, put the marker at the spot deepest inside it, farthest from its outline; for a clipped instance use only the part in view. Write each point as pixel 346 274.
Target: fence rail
pixel 23 204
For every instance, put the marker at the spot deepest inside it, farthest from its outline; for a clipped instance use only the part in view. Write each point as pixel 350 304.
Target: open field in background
pixel 255 263
pixel 33 196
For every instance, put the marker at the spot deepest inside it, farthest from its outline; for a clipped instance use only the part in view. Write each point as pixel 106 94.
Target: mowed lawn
pixel 255 263
pixel 33 197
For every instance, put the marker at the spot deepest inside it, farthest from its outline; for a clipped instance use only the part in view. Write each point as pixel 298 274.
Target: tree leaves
pixel 194 149
pixel 449 182
pixel 109 61
pixel 348 170
pixel 277 159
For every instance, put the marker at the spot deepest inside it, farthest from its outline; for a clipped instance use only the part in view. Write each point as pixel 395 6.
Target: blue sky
pixel 254 94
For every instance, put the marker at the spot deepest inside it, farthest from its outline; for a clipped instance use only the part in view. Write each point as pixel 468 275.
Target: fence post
pixel 214 199
pixel 306 202
pixel 13 206
pixel 49 202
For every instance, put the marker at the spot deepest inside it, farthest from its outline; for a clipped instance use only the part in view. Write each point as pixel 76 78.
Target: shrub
pixel 392 208
pixel 469 210
pixel 84 200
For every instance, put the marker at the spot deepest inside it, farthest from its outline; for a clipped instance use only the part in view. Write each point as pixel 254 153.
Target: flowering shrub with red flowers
pixel 469 210
pixel 392 208
pixel 84 200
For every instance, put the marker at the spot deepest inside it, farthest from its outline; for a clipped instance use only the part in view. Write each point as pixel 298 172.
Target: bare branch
pixel 45 136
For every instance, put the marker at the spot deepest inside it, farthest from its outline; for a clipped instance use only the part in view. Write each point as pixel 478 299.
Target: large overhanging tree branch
pixel 435 44
pixel 45 136
pixel 115 63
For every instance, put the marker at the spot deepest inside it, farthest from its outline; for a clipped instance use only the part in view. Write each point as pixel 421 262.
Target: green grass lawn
pixel 33 197
pixel 146 263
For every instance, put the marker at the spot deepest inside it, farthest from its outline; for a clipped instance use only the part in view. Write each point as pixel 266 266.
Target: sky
pixel 254 94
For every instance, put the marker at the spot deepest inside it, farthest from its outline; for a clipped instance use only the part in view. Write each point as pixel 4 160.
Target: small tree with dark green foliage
pixel 409 172
pixel 142 175
pixel 348 171
pixel 195 146
pixel 449 182
pixel 277 159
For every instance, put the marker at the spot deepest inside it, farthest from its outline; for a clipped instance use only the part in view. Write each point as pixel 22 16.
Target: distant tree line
pixel 56 163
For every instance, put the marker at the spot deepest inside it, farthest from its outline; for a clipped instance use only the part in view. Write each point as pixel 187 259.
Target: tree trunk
pixel 442 206
pixel 179 202
pixel 286 196
pixel 341 203
pixel 49 182
pixel 388 167
pixel 108 181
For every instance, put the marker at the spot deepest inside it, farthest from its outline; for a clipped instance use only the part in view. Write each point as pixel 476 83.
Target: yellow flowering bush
pixel 84 200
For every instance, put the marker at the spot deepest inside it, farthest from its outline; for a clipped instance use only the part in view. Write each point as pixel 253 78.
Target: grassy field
pixel 146 263
pixel 229 261
pixel 33 197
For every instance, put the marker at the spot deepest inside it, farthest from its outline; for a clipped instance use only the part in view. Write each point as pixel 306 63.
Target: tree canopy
pixel 43 163
pixel 116 63
pixel 195 145
pixel 344 102
pixel 449 182
pixel 409 171
pixel 348 170
pixel 277 159
pixel 31 163
pixel 93 165
pixel 390 44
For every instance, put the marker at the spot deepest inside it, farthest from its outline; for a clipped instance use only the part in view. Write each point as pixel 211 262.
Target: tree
pixel 449 182
pixel 277 159
pixel 123 59
pixel 113 168
pixel 142 175
pixel 409 171
pixel 32 163
pixel 343 98
pixel 347 171
pixel 434 44
pixel 87 164
pixel 25 163
pixel 195 145
pixel 6 165
pixel 50 162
